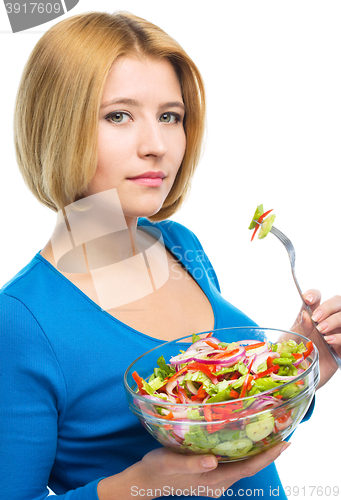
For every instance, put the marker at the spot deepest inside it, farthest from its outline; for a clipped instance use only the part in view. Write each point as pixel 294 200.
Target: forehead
pixel 141 79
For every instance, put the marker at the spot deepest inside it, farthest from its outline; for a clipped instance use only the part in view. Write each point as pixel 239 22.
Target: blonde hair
pixel 59 96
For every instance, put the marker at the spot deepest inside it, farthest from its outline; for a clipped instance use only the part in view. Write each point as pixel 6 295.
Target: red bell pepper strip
pixel 176 437
pixel 170 415
pixel 272 369
pixel 201 394
pixel 227 409
pixel 234 394
pixel 221 355
pixel 203 368
pixel 260 220
pixel 246 381
pixel 249 384
pixel 253 346
pixel 209 335
pixel 184 369
pixel 309 349
pixel 269 361
pixel 183 395
pixel 139 383
pixel 208 413
pixel 215 346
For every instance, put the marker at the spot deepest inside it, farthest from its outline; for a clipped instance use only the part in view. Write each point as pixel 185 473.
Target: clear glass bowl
pixel 240 428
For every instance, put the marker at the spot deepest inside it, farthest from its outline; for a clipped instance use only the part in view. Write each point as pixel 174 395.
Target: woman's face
pixel 141 139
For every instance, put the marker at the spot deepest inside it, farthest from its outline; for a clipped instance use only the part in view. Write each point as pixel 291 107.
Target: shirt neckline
pixel 205 289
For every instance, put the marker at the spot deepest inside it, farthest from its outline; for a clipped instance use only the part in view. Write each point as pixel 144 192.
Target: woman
pixel 109 124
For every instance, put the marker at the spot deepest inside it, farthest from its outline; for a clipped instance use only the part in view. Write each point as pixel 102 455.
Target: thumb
pixel 305 326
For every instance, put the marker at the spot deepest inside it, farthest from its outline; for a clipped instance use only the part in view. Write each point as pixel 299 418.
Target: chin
pixel 143 211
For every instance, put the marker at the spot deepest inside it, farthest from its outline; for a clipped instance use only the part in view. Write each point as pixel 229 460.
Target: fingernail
pixel 330 338
pixel 209 462
pixel 309 298
pixel 284 447
pixel 323 326
pixel 317 315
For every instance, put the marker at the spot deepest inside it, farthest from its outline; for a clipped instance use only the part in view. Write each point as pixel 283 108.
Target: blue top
pixel 66 422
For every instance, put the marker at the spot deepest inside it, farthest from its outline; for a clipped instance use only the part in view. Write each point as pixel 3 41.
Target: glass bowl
pixel 231 430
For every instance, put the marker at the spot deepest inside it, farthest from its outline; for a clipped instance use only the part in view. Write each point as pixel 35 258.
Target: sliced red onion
pixel 201 343
pixel 170 386
pixel 286 378
pixel 181 430
pixel 191 387
pixel 180 414
pixel 154 398
pixel 261 358
pixel 229 361
pixel 189 356
pixel 298 361
pixel 179 361
pixel 265 401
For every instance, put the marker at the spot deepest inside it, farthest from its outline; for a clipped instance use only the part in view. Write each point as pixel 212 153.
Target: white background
pixel 273 77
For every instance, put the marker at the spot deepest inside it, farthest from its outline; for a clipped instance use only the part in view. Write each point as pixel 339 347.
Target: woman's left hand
pixel 328 317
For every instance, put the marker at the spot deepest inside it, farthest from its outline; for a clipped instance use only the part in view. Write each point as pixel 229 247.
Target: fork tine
pixel 280 235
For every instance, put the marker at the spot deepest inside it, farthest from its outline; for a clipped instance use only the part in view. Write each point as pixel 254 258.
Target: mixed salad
pixel 224 374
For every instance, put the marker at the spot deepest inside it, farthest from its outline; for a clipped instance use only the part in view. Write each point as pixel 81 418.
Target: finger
pixel 333 339
pixel 331 324
pixel 312 297
pixel 171 463
pixel 327 308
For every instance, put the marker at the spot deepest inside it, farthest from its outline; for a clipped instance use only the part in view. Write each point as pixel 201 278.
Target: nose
pixel 152 142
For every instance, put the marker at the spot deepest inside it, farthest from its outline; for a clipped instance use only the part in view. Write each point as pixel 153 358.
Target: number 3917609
pixel 312 491
pixel 30 8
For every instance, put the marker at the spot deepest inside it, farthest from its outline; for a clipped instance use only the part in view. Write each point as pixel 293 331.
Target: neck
pixel 98 227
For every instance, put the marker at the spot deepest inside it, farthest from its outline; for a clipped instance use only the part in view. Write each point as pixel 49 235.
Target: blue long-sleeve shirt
pixel 65 421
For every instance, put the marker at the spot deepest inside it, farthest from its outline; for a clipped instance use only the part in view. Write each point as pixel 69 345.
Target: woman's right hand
pixel 161 470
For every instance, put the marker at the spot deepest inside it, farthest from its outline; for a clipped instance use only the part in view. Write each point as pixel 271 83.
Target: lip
pixel 151 179
pixel 149 175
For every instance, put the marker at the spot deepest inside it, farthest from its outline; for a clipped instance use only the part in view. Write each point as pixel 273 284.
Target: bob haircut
pixel 59 97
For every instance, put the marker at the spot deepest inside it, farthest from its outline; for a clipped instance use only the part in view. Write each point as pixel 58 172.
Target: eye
pixel 170 118
pixel 118 117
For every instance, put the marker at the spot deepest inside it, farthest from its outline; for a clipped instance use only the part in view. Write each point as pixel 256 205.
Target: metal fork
pixel 292 257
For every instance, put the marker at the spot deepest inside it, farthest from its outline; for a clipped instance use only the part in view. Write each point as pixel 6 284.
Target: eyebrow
pixel 133 102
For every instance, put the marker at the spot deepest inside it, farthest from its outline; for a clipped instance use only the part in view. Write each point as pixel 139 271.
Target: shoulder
pixel 24 295
pixel 23 280
pixel 184 245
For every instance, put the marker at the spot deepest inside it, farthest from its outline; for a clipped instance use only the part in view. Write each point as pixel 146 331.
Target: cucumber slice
pixel 236 448
pixel 259 211
pixel 257 431
pixel 266 226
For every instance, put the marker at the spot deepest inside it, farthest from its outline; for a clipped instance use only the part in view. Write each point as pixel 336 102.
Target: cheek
pixel 112 151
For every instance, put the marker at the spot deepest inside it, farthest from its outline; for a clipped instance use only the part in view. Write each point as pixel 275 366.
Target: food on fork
pixel 262 220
